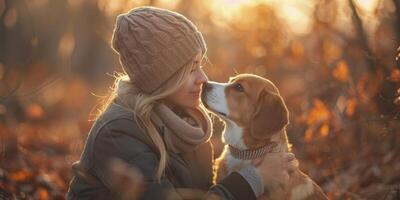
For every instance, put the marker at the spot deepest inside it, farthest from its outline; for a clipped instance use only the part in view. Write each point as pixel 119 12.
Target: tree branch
pixel 371 61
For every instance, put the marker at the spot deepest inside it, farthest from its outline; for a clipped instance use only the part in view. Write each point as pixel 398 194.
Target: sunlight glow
pixel 235 2
pixel 295 13
pixel 367 5
pixel 296 18
pixel 229 8
pixel 170 4
pixel 368 8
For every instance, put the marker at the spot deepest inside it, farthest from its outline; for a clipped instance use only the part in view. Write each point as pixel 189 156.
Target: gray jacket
pixel 115 134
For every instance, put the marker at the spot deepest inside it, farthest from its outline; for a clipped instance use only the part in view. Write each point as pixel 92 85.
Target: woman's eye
pixel 238 87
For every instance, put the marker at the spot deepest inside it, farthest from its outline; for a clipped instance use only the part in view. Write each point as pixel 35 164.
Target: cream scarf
pixel 182 132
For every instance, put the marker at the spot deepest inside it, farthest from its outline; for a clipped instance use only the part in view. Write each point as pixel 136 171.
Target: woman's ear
pixel 270 115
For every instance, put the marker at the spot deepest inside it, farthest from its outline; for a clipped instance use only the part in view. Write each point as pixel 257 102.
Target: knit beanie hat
pixel 153 44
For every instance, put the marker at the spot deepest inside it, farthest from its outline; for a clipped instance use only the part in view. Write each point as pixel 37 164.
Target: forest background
pixel 334 62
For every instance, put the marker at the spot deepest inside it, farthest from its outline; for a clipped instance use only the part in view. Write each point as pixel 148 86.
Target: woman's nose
pixel 202 77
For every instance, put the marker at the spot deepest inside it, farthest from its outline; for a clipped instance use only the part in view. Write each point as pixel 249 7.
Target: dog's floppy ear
pixel 270 115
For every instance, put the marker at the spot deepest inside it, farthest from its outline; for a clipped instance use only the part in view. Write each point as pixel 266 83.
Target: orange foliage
pixel 42 194
pixel 324 130
pixel 351 107
pixel 34 111
pixel 20 175
pixel 341 71
pixel 395 75
pixel 319 113
pixel 297 49
pixel 318 116
pixel 308 135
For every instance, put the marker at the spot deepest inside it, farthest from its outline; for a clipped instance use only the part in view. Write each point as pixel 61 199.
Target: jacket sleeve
pixel 116 142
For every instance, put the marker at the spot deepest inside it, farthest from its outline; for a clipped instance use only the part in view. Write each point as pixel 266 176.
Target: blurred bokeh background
pixel 334 62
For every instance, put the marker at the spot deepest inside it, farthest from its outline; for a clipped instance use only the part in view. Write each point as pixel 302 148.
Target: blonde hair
pixel 144 106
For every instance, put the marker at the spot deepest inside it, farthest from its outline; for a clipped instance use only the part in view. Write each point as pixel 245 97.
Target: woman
pixel 152 139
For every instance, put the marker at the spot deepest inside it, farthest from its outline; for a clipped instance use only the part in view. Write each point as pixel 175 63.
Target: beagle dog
pixel 255 117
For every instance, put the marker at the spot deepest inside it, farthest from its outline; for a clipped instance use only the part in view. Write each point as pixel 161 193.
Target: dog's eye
pixel 238 87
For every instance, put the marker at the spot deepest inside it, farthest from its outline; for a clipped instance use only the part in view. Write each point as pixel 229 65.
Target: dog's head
pixel 251 102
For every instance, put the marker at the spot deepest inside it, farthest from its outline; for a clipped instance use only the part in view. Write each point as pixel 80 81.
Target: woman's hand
pixel 275 168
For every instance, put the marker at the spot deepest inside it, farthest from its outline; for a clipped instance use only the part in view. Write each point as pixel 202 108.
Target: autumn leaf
pixel 341 71
pixel 324 130
pixel 34 111
pixel 319 113
pixel 308 135
pixel 351 107
pixel 20 175
pixel 395 75
pixel 297 49
pixel 42 194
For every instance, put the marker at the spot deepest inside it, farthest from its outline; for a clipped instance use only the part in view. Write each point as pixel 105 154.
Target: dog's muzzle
pixel 206 87
pixel 213 98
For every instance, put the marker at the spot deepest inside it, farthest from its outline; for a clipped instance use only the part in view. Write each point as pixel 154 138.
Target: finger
pixel 258 161
pixel 293 165
pixel 290 157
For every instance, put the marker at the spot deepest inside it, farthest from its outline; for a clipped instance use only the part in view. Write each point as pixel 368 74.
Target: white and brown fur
pixel 255 115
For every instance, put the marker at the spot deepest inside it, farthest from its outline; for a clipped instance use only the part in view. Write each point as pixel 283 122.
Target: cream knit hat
pixel 153 44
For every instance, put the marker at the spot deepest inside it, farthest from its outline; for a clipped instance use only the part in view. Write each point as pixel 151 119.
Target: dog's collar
pixel 250 154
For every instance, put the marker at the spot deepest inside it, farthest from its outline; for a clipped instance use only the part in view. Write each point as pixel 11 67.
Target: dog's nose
pixel 206 87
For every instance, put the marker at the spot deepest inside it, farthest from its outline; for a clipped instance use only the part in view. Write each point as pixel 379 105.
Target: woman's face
pixel 188 95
